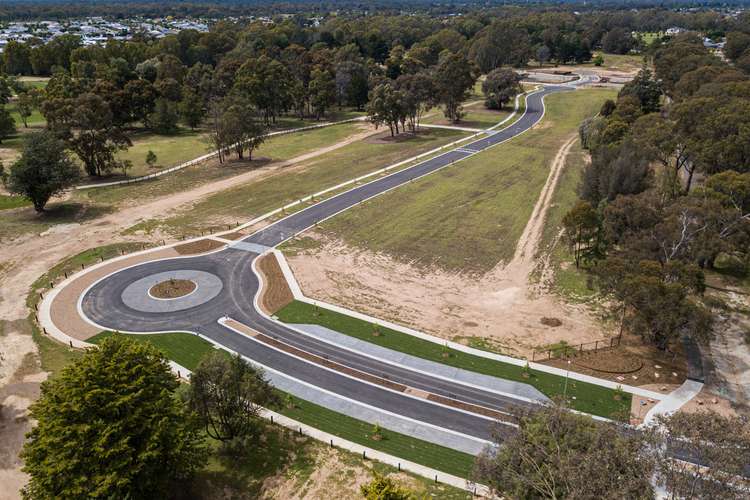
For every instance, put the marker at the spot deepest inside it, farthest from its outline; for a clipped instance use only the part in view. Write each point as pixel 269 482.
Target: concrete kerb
pixel 44 308
pixel 44 313
pixel 212 154
pixel 299 295
pixel 385 170
pixel 366 452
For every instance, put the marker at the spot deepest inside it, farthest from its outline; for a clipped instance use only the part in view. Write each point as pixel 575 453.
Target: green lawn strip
pixel 253 199
pixel 589 398
pixel 35 118
pixel 171 150
pixel 7 201
pixel 187 350
pixel 484 202
pixel 396 444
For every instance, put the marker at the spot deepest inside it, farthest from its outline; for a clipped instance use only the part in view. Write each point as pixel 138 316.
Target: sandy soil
pixel 28 257
pixel 501 307
pixel 335 475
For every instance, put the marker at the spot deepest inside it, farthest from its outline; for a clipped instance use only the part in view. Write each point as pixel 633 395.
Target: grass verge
pixel 256 198
pixel 187 349
pixel 589 398
pixel 468 218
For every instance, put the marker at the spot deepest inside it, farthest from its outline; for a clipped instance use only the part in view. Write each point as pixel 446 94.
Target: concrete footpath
pixel 364 451
pixel 518 390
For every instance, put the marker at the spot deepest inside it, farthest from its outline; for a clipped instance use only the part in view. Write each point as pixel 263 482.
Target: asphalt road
pixel 103 305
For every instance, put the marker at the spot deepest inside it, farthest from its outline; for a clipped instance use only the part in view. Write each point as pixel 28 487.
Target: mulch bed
pixel 172 289
pixel 472 408
pixel 236 235
pixel 276 293
pixel 622 364
pixel 330 364
pixel 196 247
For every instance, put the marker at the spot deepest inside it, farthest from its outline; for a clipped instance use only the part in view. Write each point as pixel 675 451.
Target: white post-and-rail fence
pixel 210 155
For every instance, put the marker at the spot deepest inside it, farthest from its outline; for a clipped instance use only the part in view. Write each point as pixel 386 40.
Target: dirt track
pixel 26 258
pixel 501 307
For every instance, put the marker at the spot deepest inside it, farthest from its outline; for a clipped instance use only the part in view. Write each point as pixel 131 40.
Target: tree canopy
pixel 110 426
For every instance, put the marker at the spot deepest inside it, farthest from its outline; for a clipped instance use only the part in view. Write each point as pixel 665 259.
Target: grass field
pixel 569 282
pixel 278 148
pixel 9 201
pixel 470 216
pixel 253 199
pixel 187 350
pixel 589 398
pixel 184 349
pixel 621 62
pixel 476 116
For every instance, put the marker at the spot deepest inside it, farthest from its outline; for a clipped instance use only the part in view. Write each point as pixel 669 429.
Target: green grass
pixel 7 201
pixel 570 283
pixel 170 150
pixel 621 62
pixel 278 148
pixel 589 398
pixel 253 199
pixel 468 218
pixel 187 350
pixel 35 120
pixel 394 443
pixel 475 117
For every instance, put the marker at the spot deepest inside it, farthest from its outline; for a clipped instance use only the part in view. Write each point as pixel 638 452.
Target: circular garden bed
pixel 172 289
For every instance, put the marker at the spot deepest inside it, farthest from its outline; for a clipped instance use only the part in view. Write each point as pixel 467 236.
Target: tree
pixel 387 105
pixel 164 118
pixel 559 454
pixel 583 231
pixel 454 77
pixel 322 91
pixel 598 60
pixel 543 54
pixel 418 96
pixel 43 170
pixel 656 298
pixel 150 159
pixel 266 83
pixel 644 88
pixel 499 87
pixel 503 42
pixel 87 125
pixel 721 443
pixel 191 109
pixel 7 124
pixel 110 426
pixel 618 41
pixel 384 488
pixel 25 107
pixel 228 395
pixel 6 90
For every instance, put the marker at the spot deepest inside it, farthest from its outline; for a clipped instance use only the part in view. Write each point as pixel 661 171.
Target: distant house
pixel 674 31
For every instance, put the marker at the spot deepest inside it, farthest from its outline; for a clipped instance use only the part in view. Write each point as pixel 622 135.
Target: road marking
pixel 250 247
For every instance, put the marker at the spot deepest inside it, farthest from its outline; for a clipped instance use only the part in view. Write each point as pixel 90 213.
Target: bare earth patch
pixel 172 289
pixel 500 307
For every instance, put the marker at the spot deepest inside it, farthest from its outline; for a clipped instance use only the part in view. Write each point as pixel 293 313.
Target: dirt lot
pixel 27 257
pixel 501 308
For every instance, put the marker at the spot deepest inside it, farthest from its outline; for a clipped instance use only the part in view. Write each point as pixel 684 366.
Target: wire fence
pixel 208 156
pixel 565 350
